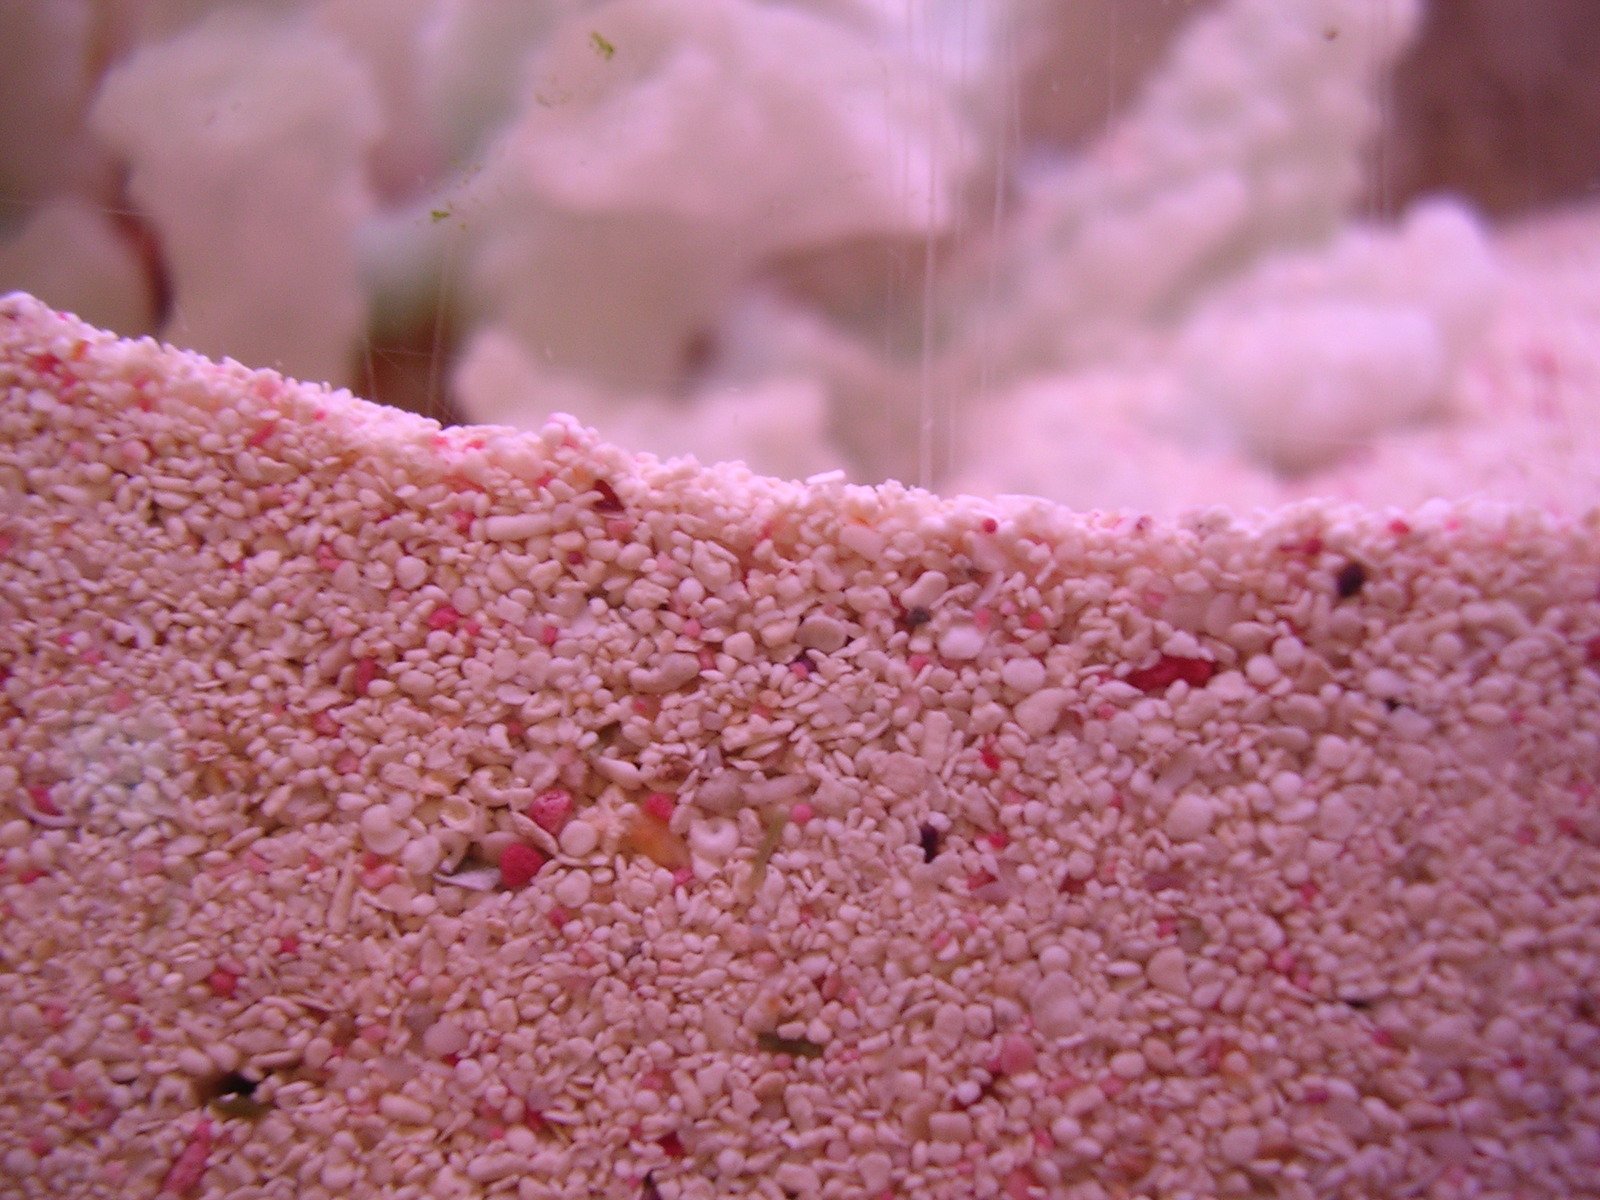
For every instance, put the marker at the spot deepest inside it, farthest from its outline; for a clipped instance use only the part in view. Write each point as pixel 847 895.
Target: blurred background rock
pixel 829 233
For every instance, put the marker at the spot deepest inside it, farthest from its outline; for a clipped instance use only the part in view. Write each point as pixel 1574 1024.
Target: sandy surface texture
pixel 404 812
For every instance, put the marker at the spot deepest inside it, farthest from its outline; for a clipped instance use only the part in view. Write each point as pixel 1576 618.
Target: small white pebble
pixel 404 1110
pixel 337 1176
pixel 1333 752
pixel 410 572
pixel 1065 1130
pixel 1127 1064
pixel 511 527
pixel 930 585
pixel 317 1052
pixel 416 683
pixel 637 892
pixel 579 838
pixel 1207 994
pixel 1450 1036
pixel 489 1167
pixel 1384 684
pixel 1289 653
pixel 776 633
pixel 444 1037
pixel 797 1179
pixel 1025 675
pixel 1056 1011
pixel 1285 785
pixel 961 642
pixel 822 632
pixel 950 1127
pixel 1168 970
pixel 1039 713
pixel 572 889
pixel 875 1167
pixel 421 855
pixel 1188 818
pixel 1239 1144
pixel 714 838
pixel 522 1140
pixel 1337 818
pixel 949 1023
pixel 380 833
pixel 866 542
pixel 980 1020
pixel 1409 725
pixel 618 771
pixel 1262 671
pixel 672 672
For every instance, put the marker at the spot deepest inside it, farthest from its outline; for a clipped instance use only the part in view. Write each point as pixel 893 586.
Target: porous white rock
pixel 235 130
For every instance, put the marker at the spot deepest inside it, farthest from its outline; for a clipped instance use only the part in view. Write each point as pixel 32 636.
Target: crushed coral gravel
pixel 454 796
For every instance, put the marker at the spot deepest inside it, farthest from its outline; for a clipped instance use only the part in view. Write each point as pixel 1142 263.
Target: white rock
pixel 930 585
pixel 950 1127
pixel 949 1025
pixel 410 572
pixel 416 683
pixel 961 642
pixel 1127 1064
pixel 1189 818
pixel 822 632
pixel 1239 1144
pixel 618 771
pixel 866 542
pixel 572 889
pixel 797 1179
pixel 512 527
pixel 1337 818
pixel 579 838
pixel 1385 684
pixel 487 1168
pixel 1333 752
pixel 672 672
pixel 714 839
pixel 1065 1130
pixel 404 1110
pixel 380 833
pixel 212 125
pixel 1056 1011
pixel 422 855
pixel 1039 713
pixel 444 1037
pixel 1026 675
pixel 875 1168
pixel 778 632
pixel 1452 1037
pixel 193 1061
pixel 1168 970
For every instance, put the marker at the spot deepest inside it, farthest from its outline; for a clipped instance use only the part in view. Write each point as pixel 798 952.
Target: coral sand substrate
pixel 389 810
